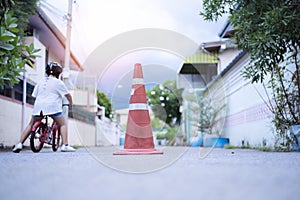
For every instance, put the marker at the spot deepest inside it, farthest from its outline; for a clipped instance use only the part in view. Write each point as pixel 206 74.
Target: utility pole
pixel 66 69
pixel 68 39
pixel 24 102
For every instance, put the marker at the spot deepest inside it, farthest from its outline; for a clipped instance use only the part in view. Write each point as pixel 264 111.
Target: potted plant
pixel 207 113
pixel 211 121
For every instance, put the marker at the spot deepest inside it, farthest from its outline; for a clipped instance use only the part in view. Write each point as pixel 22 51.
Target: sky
pixel 100 29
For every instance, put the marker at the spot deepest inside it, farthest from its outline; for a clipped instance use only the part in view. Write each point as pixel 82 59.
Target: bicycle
pixel 42 133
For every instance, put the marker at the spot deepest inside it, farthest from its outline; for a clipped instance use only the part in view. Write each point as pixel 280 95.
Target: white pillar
pixel 66 70
pixel 24 102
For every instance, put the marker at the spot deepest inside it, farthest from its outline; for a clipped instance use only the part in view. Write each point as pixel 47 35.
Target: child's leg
pixel 18 147
pixel 26 131
pixel 63 128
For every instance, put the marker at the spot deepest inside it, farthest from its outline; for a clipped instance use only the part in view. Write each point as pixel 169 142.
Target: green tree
pixel 22 10
pixel 6 4
pixel 13 53
pixel 104 101
pixel 269 32
pixel 165 101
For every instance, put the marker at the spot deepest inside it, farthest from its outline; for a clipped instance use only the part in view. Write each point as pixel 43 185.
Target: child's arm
pixel 69 97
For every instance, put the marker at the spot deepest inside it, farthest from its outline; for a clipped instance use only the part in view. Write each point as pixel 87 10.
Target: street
pixel 180 173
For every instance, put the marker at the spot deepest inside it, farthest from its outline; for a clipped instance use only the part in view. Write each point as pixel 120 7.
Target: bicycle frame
pixel 48 134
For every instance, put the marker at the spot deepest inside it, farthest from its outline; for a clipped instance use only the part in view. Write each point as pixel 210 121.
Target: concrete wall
pixel 81 134
pixel 107 133
pixel 10 120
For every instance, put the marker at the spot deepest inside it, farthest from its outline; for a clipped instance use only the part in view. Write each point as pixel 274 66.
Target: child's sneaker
pixel 17 148
pixel 67 148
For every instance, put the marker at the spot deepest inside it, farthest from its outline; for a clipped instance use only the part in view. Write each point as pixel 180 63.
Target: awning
pixel 202 57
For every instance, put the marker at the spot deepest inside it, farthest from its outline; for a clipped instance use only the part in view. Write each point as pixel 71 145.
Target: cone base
pixel 137 152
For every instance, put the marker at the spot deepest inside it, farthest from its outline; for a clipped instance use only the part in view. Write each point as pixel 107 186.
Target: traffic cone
pixel 138 137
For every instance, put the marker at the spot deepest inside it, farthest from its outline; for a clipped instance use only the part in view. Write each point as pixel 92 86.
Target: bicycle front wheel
pixel 55 137
pixel 36 141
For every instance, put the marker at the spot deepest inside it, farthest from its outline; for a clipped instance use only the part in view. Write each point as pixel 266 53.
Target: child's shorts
pixel 56 115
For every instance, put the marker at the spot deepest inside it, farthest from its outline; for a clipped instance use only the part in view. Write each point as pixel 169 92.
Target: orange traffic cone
pixel 138 138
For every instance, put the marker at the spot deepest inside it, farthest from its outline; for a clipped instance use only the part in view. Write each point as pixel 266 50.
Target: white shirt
pixel 49 93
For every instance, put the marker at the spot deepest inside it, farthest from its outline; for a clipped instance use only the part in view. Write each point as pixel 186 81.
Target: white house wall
pixel 85 98
pixel 225 57
pixel 38 72
pixel 248 118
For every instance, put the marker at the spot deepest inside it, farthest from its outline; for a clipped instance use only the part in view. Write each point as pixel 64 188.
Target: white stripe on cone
pixel 138 106
pixel 137 81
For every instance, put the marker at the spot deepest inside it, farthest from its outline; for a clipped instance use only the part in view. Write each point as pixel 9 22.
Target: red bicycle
pixel 42 133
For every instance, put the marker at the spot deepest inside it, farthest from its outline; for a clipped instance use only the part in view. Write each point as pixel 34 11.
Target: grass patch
pixel 228 146
pixel 265 149
pixel 77 146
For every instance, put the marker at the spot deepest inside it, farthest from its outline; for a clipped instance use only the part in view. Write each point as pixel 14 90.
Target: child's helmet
pixel 54 69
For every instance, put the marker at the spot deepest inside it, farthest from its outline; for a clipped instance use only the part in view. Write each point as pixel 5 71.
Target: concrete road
pixel 180 173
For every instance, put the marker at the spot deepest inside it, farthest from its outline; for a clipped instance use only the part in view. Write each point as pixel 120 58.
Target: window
pixel 16 92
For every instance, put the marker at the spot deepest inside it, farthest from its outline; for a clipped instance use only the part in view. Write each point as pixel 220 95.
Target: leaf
pixel 7 47
pixel 35 51
pixel 10 19
pixel 14 30
pixel 12 25
pixel 7 36
pixel 19 70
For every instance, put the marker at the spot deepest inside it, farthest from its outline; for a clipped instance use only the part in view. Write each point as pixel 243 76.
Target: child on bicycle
pixel 49 93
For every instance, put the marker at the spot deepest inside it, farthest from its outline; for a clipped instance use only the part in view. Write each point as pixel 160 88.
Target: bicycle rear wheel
pixel 55 137
pixel 36 141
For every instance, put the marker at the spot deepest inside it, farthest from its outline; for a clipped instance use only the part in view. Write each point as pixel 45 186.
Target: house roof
pixel 202 57
pixel 52 38
pixel 227 31
pixel 240 55
pixel 213 46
